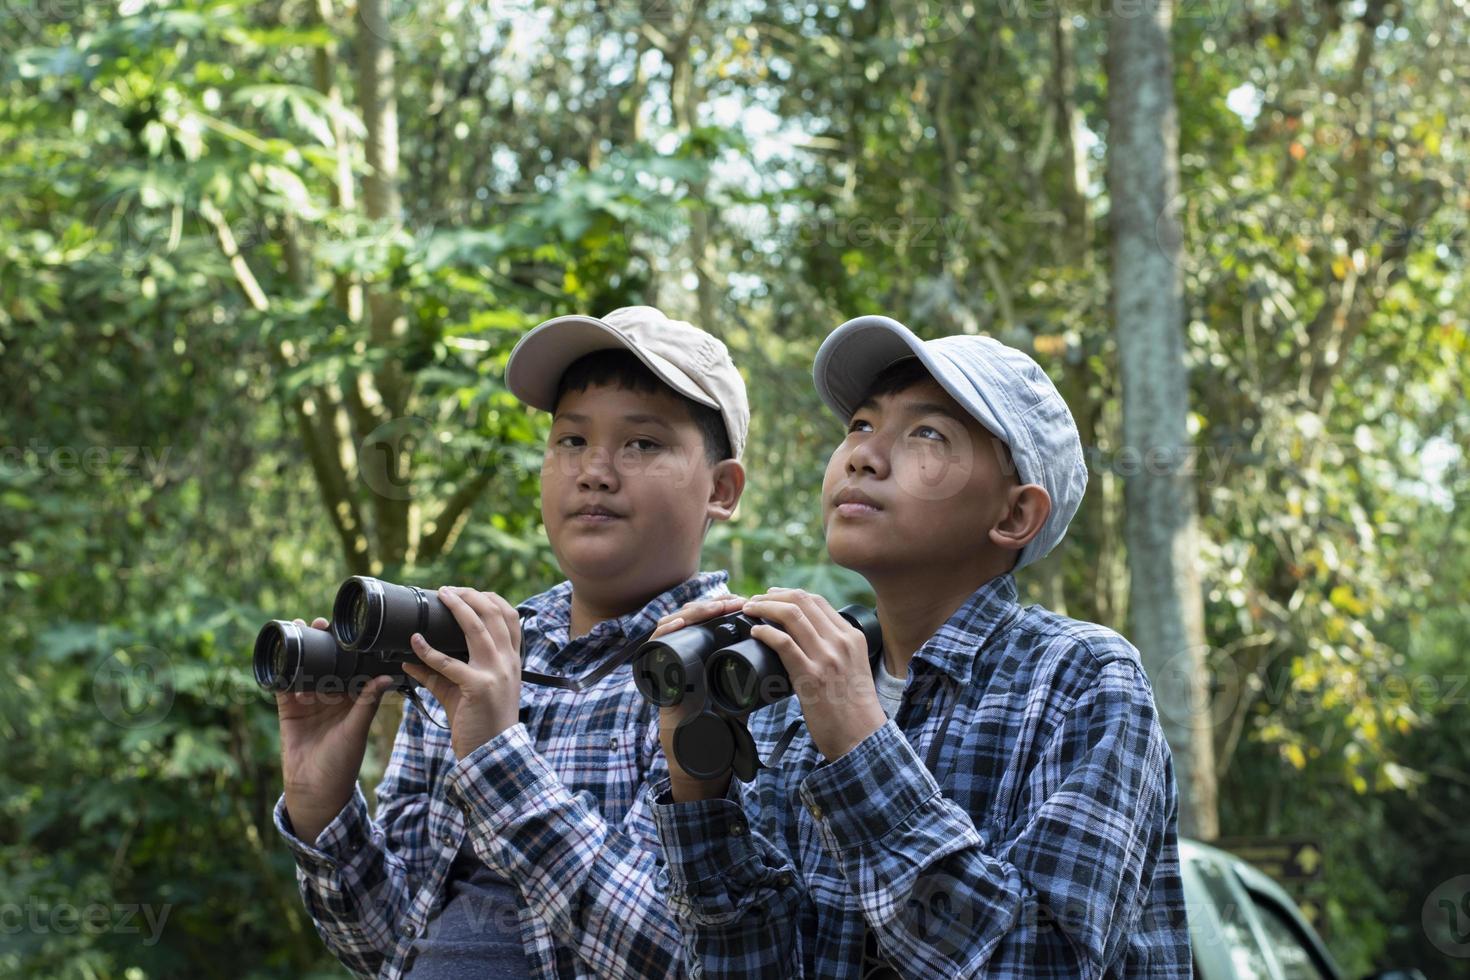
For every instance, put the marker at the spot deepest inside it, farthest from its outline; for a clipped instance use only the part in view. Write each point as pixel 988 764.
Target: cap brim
pixel 853 355
pixel 535 367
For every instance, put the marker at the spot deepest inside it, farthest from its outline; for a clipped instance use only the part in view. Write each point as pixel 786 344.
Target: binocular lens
pixel 352 613
pixel 377 617
pixel 277 660
pixel 736 684
pixel 372 622
pixel 359 613
pixel 663 677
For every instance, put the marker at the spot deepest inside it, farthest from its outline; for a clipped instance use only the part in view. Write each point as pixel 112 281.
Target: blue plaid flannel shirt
pixel 1043 844
pixel 556 804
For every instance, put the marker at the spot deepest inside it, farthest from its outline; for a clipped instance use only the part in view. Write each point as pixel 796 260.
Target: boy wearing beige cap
pixel 512 837
pixel 990 796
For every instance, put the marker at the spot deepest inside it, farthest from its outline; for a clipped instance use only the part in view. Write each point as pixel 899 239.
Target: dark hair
pixel 621 369
pixel 898 376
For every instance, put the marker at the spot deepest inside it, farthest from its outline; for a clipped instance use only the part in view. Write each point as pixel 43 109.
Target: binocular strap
pixel 576 684
pixel 782 744
pixel 622 657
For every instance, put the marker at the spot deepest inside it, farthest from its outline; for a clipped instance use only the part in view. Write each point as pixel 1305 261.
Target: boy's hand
pixel 323 737
pixel 685 787
pixel 482 697
pixel 696 612
pixel 827 659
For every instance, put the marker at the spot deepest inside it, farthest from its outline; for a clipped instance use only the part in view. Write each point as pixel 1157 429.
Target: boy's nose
pixel 598 472
pixel 868 457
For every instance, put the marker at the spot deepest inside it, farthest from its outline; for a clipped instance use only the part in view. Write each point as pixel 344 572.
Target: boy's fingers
pixel 820 611
pixel 319 623
pixel 823 617
pixel 368 700
pixel 457 672
pixel 491 618
pixel 426 678
pixel 667 626
pixel 510 617
pixel 464 614
pixel 703 609
pixel 791 618
pixel 784 645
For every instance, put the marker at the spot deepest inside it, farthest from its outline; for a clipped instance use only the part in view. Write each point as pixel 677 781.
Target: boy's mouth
pixel 595 514
pixel 852 502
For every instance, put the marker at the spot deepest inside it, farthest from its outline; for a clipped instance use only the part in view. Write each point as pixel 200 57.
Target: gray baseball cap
pixel 1003 388
pixel 695 364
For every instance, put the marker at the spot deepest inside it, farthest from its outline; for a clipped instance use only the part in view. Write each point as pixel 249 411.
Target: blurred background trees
pixel 260 267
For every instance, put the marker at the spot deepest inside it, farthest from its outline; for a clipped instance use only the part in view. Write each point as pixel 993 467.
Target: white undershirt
pixel 890 689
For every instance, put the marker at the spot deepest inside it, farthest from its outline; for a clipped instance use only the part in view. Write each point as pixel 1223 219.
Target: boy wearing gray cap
pixel 512 836
pixel 993 795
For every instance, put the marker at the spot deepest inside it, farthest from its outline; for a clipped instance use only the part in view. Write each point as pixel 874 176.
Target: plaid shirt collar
pixel 953 648
pixel 550 615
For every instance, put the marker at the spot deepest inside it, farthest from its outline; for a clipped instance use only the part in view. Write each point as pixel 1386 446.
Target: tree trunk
pixel 387 395
pixel 685 98
pixel 1161 525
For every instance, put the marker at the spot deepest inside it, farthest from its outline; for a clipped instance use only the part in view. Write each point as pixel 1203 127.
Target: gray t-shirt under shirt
pixel 476 933
pixel 890 689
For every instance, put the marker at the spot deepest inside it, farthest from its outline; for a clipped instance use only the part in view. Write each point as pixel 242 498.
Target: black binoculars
pixel 372 621
pixel 717 673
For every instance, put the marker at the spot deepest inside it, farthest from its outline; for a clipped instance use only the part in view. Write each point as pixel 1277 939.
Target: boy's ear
pixel 725 489
pixel 1028 508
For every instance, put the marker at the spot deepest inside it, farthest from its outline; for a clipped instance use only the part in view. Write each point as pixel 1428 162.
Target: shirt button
pixel 612 743
pixel 784 879
pixel 737 828
pixel 816 811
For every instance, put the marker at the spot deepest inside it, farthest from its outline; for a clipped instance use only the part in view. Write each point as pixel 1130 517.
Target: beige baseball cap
pixel 682 356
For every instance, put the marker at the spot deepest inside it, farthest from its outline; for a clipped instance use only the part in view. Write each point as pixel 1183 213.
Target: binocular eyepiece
pixel 372 621
pixel 717 673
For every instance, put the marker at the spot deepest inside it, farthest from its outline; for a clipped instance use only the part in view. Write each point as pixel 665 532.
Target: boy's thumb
pixel 367 702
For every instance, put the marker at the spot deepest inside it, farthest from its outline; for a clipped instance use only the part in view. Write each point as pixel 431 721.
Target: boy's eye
pixel 570 442
pixel 929 432
pixel 859 425
pixel 645 445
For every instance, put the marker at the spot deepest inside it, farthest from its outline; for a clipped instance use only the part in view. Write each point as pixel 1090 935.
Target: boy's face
pixel 626 488
pixel 917 482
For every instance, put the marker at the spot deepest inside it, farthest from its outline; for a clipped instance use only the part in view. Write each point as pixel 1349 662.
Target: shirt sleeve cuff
pixel 346 835
pixel 865 794
pixel 701 839
pixel 499 779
